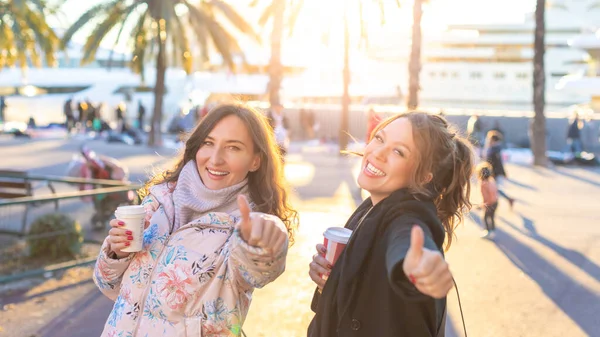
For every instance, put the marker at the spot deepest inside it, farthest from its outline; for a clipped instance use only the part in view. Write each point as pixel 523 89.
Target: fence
pixel 17 214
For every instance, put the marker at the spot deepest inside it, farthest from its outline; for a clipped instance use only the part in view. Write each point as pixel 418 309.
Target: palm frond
pixel 92 43
pixel 20 43
pixel 220 38
pixel 86 17
pixel 235 18
pixel 266 15
pixel 183 44
pixel 294 16
pixel 44 36
pixel 6 45
pixel 127 14
pixel 381 11
pixel 140 42
pixel 202 35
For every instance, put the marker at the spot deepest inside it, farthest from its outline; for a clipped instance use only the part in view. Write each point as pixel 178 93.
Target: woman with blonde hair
pixel 392 279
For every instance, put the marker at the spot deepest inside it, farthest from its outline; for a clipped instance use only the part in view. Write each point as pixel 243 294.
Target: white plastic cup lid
pixel 130 210
pixel 338 234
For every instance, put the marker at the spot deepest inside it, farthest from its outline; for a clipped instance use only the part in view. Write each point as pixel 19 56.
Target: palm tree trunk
pixel 414 65
pixel 538 125
pixel 275 67
pixel 155 137
pixel 343 136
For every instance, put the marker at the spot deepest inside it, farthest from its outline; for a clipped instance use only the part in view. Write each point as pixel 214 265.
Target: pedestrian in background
pixel 279 125
pixel 373 119
pixel 493 155
pixel 489 193
pixel 141 115
pixel 574 135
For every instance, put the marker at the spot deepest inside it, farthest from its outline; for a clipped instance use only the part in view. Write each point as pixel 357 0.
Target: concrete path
pixel 539 277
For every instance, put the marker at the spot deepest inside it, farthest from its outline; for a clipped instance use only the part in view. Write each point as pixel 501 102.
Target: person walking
pixel 69 118
pixel 3 107
pixel 391 279
pixel 141 115
pixel 204 252
pixel 574 135
pixel 279 125
pixel 489 192
pixel 119 116
pixel 493 155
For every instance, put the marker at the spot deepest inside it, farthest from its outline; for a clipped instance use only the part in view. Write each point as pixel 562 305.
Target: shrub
pixel 54 235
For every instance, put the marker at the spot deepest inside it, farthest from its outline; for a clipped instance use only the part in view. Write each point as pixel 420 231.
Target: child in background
pixel 489 191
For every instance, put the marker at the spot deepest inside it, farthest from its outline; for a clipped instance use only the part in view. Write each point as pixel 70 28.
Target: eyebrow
pixel 230 141
pixel 398 142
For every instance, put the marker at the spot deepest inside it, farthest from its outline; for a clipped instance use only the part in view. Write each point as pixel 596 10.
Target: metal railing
pixel 17 214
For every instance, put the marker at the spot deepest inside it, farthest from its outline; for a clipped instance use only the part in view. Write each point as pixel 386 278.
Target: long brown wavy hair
pixel 267 187
pixel 448 156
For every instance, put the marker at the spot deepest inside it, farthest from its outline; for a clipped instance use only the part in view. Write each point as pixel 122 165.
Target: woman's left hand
pixel 426 268
pixel 259 230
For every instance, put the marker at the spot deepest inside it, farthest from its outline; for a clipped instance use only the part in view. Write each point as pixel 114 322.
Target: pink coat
pixel 196 281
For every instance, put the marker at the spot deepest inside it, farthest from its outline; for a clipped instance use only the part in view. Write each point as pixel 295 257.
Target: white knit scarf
pixel 193 199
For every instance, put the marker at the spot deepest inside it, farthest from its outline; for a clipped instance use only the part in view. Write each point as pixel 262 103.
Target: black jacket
pixel 367 293
pixel 494 157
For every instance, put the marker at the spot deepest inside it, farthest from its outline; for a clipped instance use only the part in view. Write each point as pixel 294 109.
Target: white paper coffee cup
pixel 134 218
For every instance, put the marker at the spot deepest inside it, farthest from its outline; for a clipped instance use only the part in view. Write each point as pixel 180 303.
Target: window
pixel 499 75
pixel 476 75
pixel 134 89
pixel 443 74
pixel 522 76
pixel 454 74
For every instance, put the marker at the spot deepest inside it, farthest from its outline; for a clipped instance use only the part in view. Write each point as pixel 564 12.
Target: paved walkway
pixel 540 277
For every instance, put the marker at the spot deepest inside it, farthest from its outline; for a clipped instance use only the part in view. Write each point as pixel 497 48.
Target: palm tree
pixel 538 125
pixel 344 124
pixel 414 65
pixel 25 34
pixel 276 12
pixel 156 26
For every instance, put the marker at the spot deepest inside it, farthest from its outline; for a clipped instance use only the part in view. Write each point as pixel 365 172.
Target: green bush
pixel 54 235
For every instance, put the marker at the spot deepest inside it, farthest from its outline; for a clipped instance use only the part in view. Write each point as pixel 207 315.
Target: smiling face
pixel 227 154
pixel 389 160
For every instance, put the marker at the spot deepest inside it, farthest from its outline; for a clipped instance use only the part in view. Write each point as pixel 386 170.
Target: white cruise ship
pixel 487 65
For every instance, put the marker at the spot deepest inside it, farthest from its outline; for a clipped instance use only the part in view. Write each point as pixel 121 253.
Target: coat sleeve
pixel 109 271
pixel 397 245
pixel 253 267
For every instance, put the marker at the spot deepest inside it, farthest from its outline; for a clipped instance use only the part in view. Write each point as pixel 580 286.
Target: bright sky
pixel 325 15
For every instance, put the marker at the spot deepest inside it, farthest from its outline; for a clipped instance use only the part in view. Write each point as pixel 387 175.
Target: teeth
pixel 217 173
pixel 372 169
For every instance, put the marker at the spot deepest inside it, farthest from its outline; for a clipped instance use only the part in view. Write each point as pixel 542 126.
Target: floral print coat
pixel 196 281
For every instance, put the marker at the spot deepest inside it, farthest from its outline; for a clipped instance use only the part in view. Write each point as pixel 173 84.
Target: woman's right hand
pixel 119 238
pixel 319 267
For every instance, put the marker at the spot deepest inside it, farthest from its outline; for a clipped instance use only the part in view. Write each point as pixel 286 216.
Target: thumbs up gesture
pixel 426 268
pixel 259 229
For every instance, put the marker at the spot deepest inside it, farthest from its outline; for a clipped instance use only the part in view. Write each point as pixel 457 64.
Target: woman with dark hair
pixel 203 251
pixel 392 279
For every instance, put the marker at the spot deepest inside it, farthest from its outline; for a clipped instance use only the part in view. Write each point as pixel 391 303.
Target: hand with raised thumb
pixel 426 268
pixel 259 229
